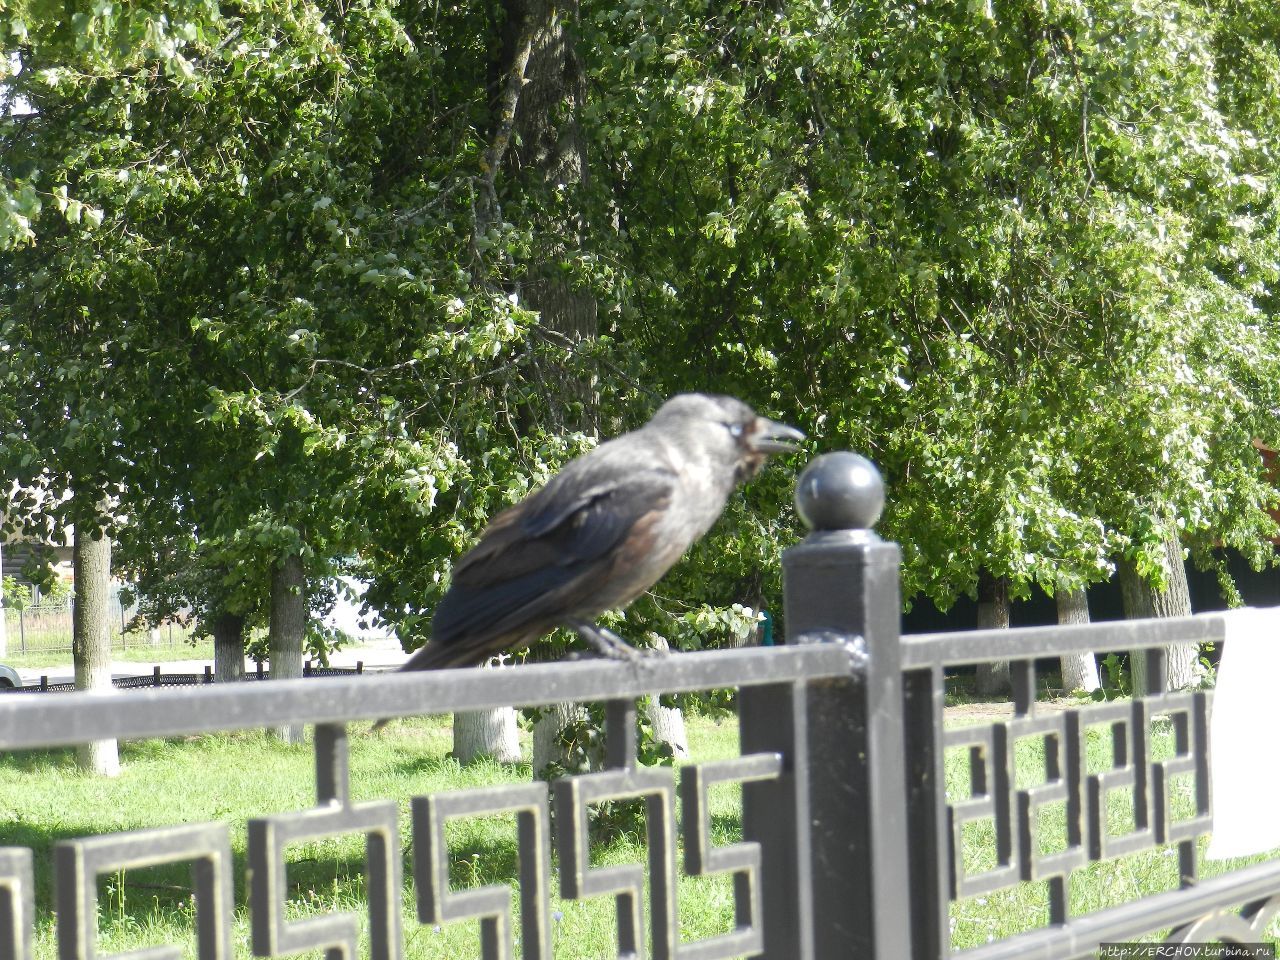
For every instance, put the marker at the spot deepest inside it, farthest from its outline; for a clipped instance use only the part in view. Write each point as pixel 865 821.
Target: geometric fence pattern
pixel 207 847
pixel 1235 908
pixel 645 893
pixel 993 832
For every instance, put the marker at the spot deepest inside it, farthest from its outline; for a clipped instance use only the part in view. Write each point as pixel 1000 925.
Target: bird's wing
pixel 535 554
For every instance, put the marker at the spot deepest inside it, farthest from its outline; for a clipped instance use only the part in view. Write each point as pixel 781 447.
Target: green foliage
pixel 1012 252
pixel 254 288
pixel 1117 681
pixel 16 596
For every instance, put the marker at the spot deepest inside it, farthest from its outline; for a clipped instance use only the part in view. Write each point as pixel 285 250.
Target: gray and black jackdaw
pixel 601 532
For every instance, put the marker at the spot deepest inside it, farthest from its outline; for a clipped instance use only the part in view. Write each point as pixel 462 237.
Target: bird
pixel 600 532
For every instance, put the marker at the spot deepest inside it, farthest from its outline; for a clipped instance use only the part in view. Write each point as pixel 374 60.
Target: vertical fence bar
pixel 841 586
pixel 929 865
pixel 775 814
pixel 620 740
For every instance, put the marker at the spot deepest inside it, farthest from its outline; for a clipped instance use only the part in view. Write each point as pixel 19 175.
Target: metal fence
pixel 159 678
pixel 850 846
pixel 45 627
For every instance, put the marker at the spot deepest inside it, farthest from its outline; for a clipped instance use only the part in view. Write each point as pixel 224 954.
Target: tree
pixel 247 402
pixel 1011 295
pixel 228 647
pixel 288 627
pixel 487 733
pixel 97 41
pixel 4 602
pixel 407 261
pixel 1167 597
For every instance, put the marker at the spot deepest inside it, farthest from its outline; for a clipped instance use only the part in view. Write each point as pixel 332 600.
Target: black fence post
pixel 841 586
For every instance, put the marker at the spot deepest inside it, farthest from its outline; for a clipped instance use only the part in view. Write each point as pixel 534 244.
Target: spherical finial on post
pixel 840 491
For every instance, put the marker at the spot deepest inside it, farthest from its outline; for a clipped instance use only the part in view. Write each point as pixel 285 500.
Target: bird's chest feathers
pixel 697 500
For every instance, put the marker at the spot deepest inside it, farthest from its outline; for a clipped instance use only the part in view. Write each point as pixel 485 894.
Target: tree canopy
pixel 267 277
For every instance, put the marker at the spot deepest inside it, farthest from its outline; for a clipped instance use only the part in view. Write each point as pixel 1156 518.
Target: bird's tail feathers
pixel 441 656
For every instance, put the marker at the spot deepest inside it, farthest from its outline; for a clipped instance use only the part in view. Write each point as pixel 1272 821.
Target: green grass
pixel 44 798
pixel 138 651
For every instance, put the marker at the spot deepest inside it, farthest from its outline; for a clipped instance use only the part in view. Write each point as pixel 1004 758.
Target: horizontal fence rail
pixel 990 646
pixel 77 718
pixel 158 678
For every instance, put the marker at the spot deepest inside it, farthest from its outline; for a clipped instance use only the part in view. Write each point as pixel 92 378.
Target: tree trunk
pixel 1143 601
pixel 551 149
pixel 667 727
pixel 91 636
pixel 556 747
pixel 4 626
pixel 666 724
pixel 993 614
pixel 487 733
pixel 543 91
pixel 228 648
pixel 1079 670
pixel 288 628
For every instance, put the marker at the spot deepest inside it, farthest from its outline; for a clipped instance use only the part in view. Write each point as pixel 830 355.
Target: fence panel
pixel 852 843
pixel 1147 798
pixel 332 705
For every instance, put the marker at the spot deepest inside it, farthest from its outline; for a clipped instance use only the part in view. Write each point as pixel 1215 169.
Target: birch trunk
pixel 1079 670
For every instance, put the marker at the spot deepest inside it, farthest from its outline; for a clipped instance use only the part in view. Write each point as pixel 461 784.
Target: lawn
pixel 43 798
pixel 138 651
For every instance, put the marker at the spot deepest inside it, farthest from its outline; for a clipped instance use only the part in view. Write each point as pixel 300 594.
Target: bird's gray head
pixel 727 429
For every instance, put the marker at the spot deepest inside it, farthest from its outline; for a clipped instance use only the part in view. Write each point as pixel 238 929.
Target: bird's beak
pixel 772 437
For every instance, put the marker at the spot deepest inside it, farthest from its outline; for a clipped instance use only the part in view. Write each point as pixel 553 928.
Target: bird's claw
pixel 605 642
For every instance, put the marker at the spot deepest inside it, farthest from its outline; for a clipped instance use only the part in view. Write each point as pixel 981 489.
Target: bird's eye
pixel 735 429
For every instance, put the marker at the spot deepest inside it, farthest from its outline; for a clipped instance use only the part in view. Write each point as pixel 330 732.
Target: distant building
pixel 15 552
